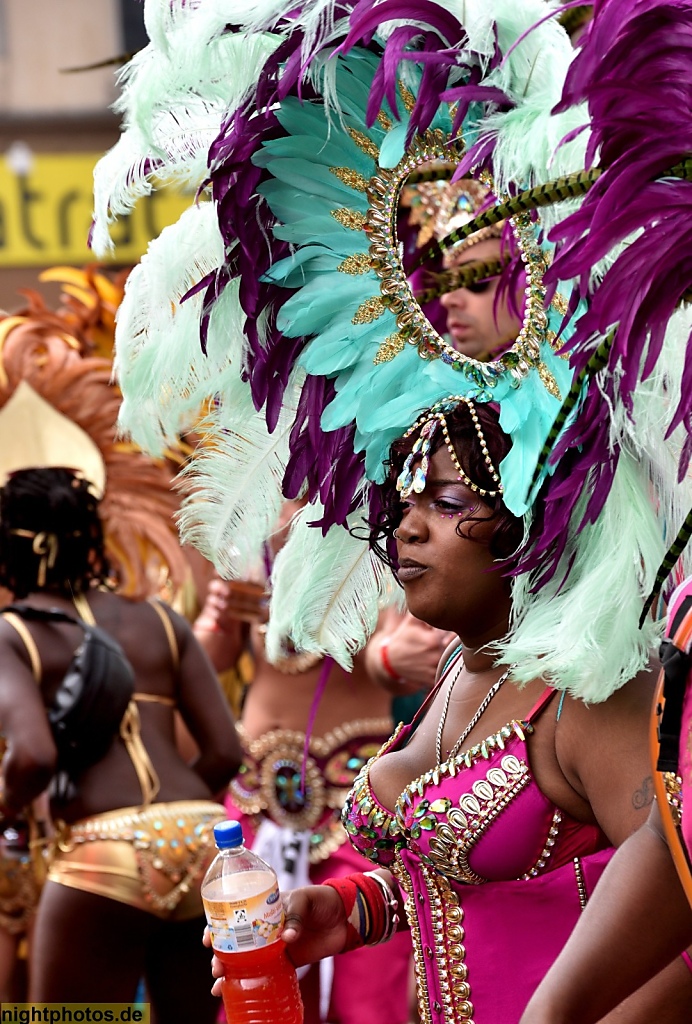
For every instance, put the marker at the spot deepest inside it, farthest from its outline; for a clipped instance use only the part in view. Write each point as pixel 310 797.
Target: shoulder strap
pixel 541 704
pixel 131 735
pixel 159 607
pixel 130 726
pixel 15 615
pixel 28 641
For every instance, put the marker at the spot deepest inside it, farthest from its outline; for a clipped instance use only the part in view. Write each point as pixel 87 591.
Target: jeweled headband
pixel 414 479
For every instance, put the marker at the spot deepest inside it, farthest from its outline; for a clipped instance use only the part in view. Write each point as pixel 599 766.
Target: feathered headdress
pixel 314 354
pixel 69 406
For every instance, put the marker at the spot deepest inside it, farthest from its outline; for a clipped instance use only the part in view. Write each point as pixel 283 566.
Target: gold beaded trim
pixel 465 825
pixel 437 412
pixel 547 850
pixel 484 449
pixel 581 884
pixel 407 97
pixel 549 382
pixel 147 829
pixel 465 759
pixel 319 746
pixel 351 178
pixel 402 877
pixel 371 309
pixel 457 971
pixel 559 303
pixel 673 788
pixel 389 348
pixel 351 219
pixel 359 263
pixel 383 194
pixel 365 143
pixel 448 957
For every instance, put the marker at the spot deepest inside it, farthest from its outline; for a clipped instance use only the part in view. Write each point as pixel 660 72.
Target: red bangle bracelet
pixel 386 663
pixel 348 891
pixel 370 906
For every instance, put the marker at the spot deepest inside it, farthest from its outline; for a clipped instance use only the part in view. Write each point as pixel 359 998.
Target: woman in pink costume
pixel 494 817
pixel 493 820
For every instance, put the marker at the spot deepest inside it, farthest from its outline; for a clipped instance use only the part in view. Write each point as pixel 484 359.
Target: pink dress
pixel 495 875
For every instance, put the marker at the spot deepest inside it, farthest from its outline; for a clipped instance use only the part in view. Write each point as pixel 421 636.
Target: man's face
pixel 478 327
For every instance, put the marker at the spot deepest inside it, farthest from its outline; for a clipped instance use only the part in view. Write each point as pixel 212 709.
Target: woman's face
pixel 477 328
pixel 445 574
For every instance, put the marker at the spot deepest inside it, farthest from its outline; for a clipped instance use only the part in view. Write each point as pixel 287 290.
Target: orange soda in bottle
pixel 245 917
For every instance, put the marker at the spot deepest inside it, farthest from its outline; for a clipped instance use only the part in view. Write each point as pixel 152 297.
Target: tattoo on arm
pixel 643 796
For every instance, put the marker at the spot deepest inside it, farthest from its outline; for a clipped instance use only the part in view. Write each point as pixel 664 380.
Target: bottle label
pixel 237 926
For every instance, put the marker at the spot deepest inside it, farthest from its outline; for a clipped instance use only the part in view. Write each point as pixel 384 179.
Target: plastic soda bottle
pixel 245 917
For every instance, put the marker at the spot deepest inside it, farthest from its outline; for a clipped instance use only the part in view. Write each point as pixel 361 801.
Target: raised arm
pixel 222 625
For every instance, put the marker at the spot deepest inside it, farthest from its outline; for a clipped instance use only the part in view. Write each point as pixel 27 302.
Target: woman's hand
pixel 315 925
pixel 231 601
pixel 216 965
pixel 413 653
pixel 314 928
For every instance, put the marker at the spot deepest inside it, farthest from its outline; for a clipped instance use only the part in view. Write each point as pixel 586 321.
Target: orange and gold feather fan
pixel 58 407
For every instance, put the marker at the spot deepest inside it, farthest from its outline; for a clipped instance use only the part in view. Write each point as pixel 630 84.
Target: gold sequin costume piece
pixel 268 784
pixel 151 858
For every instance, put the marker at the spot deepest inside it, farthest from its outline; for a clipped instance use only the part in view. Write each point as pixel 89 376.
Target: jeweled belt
pixel 269 781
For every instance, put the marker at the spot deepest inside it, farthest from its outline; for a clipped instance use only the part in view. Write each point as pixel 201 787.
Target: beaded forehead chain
pixel 414 480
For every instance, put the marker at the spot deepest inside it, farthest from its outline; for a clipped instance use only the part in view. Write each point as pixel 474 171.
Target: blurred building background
pixel 55 122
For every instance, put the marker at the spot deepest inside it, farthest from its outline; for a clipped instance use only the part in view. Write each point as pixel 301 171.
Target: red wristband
pixel 371 917
pixel 349 892
pixel 386 663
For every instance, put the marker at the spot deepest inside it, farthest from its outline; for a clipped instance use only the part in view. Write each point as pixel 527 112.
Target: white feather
pixel 584 636
pixel 175 95
pixel 326 591
pixel 236 478
pixel 163 373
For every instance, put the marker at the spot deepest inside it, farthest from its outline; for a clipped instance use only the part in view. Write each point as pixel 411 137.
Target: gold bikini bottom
pixel 151 858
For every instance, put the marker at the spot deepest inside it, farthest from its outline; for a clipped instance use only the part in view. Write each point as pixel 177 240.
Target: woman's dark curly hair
pixel 56 503
pixel 385 505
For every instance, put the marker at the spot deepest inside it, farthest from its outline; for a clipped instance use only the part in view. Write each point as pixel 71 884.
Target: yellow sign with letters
pixel 45 213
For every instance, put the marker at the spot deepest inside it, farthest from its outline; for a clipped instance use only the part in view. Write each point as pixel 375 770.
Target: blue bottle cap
pixel 228 834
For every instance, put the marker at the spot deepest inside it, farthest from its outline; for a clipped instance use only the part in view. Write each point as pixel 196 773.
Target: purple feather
pixel 324 461
pixel 633 73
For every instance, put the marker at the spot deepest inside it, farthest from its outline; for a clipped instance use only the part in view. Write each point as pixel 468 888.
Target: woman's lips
pixel 410 572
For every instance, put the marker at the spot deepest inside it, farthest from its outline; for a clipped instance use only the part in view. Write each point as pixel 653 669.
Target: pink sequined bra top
pixel 477 817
